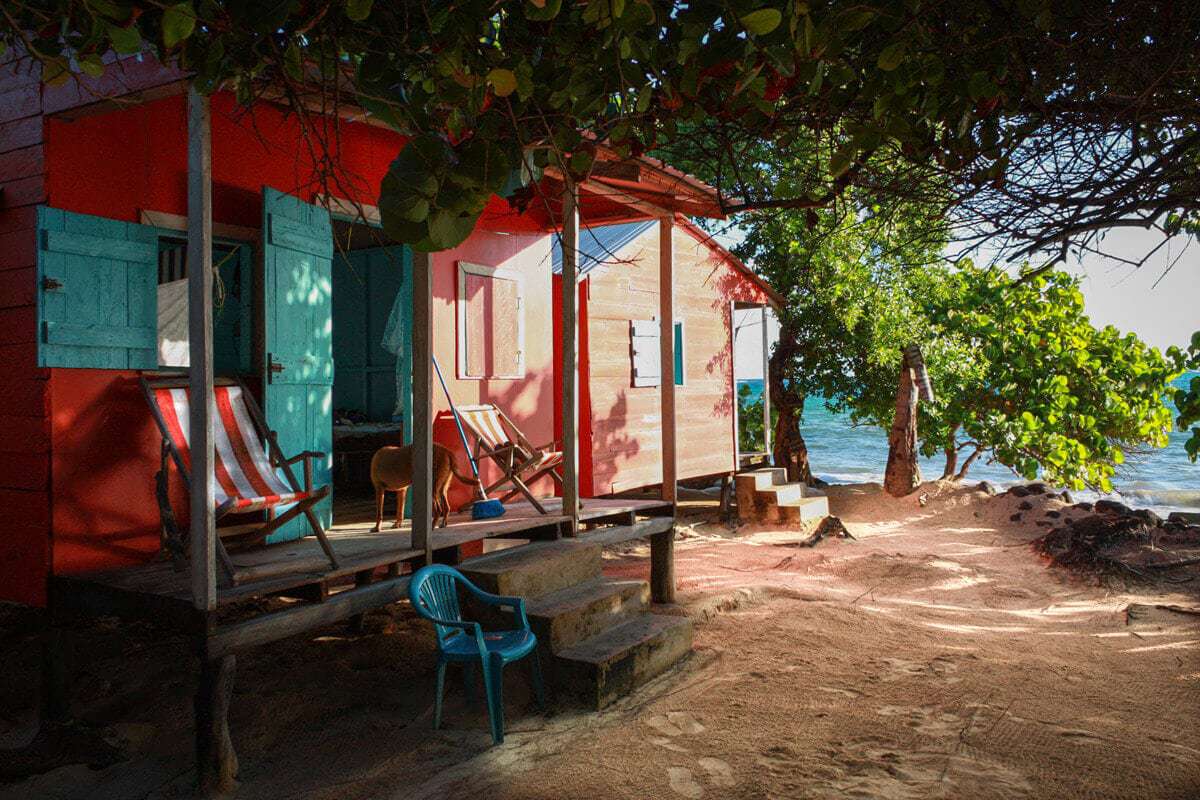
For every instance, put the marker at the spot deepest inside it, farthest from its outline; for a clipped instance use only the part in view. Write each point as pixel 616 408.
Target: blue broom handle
pixel 454 412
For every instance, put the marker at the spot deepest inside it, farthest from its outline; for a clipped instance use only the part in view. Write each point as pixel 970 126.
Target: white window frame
pixel 466 268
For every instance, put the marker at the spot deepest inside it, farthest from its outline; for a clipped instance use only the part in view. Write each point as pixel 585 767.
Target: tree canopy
pixel 1050 120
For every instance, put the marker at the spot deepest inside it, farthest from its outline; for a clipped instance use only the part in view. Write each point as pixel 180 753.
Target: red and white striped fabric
pixel 245 480
pixel 484 422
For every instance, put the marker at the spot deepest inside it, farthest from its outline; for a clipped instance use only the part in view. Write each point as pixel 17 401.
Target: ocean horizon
pixel 1161 479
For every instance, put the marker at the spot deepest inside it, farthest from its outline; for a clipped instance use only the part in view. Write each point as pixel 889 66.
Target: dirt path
pixel 933 656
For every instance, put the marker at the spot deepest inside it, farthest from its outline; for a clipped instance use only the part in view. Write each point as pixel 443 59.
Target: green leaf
pixel 178 23
pixel 762 22
pixel 503 81
pixel 125 40
pixel 92 66
pixel 892 56
pixel 358 10
pixel 542 10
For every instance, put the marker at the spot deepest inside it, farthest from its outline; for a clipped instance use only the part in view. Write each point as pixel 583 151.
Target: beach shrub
pixel 1024 378
pixel 1187 398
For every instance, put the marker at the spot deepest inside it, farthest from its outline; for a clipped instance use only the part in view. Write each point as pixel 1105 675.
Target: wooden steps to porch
pixel 764 495
pixel 602 639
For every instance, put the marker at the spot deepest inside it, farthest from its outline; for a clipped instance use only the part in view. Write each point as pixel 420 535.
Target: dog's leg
pixel 401 496
pixel 378 507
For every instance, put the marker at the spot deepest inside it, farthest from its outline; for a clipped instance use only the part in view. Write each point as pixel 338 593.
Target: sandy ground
pixel 935 655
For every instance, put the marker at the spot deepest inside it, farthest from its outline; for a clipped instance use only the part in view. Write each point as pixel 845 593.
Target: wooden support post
pixel 216 761
pixel 666 342
pixel 733 371
pixel 202 531
pixel 766 390
pixel 422 404
pixel 662 545
pixel 570 357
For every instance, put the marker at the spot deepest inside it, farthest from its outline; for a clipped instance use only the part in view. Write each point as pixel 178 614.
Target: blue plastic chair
pixel 434 594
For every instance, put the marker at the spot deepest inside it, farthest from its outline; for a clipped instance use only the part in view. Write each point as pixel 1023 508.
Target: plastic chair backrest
pixel 434 595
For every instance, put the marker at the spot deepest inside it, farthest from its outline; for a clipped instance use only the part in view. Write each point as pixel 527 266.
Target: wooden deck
pixel 358 549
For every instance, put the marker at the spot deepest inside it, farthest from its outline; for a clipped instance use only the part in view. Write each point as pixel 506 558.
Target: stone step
pixel 783 493
pixel 805 509
pixel 566 617
pixel 535 569
pixel 604 668
pixel 761 478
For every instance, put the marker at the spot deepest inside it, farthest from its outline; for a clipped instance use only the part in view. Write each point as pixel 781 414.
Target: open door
pixel 298 384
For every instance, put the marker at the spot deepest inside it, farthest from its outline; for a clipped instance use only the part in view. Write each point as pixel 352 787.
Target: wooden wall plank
pixel 30 471
pixel 18 287
pixel 24 396
pixel 32 508
pixel 23 191
pixel 18 325
pixel 23 101
pixel 21 133
pixel 18 249
pixel 23 434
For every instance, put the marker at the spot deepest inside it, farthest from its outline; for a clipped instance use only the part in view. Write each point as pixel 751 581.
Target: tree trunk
pixel 903 473
pixel 962 473
pixel 790 451
pixel 951 455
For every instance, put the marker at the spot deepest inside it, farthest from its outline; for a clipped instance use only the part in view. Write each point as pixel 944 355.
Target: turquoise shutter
pixel 298 389
pixel 97 299
pixel 678 353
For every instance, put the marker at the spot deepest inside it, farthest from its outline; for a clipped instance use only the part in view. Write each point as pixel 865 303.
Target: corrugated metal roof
pixel 600 245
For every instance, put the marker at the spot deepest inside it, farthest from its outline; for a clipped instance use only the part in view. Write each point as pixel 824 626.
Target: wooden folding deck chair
pixel 497 438
pixel 247 464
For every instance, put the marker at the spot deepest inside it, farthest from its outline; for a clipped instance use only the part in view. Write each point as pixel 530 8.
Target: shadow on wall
pixel 105 457
pixel 613 444
pixel 523 400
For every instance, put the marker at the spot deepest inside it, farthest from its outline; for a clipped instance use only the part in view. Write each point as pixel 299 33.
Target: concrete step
pixel 566 617
pixel 783 493
pixel 761 478
pixel 535 569
pixel 599 670
pixel 805 509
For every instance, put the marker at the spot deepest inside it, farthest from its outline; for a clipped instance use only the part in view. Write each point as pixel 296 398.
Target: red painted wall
pixel 24 388
pixel 102 446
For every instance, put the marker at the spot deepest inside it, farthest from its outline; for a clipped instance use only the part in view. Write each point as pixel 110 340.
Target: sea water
pixel 1161 479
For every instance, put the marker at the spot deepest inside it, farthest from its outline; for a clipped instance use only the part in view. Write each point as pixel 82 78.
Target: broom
pixel 483 508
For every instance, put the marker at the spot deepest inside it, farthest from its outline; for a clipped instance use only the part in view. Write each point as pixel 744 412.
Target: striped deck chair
pixel 497 438
pixel 246 466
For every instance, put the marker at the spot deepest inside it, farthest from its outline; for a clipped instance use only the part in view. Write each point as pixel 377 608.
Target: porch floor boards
pixel 359 549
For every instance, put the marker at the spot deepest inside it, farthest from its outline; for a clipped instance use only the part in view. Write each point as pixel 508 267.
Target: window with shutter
pixel 644 350
pixel 491 322
pixel 97 299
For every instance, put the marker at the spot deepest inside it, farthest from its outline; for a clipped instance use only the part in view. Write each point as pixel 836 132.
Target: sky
pixel 1161 306
pixel 1162 309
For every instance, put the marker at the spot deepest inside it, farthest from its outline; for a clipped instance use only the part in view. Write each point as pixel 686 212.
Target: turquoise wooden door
pixel 298 386
pixel 367 284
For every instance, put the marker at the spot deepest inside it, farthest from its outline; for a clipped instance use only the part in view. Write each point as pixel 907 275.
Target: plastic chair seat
pixel 509 645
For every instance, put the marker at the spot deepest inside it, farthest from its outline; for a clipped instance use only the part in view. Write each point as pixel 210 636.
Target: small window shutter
pixel 644 337
pixel 98 292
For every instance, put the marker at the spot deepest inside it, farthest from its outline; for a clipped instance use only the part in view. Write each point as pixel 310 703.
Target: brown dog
pixel 391 471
